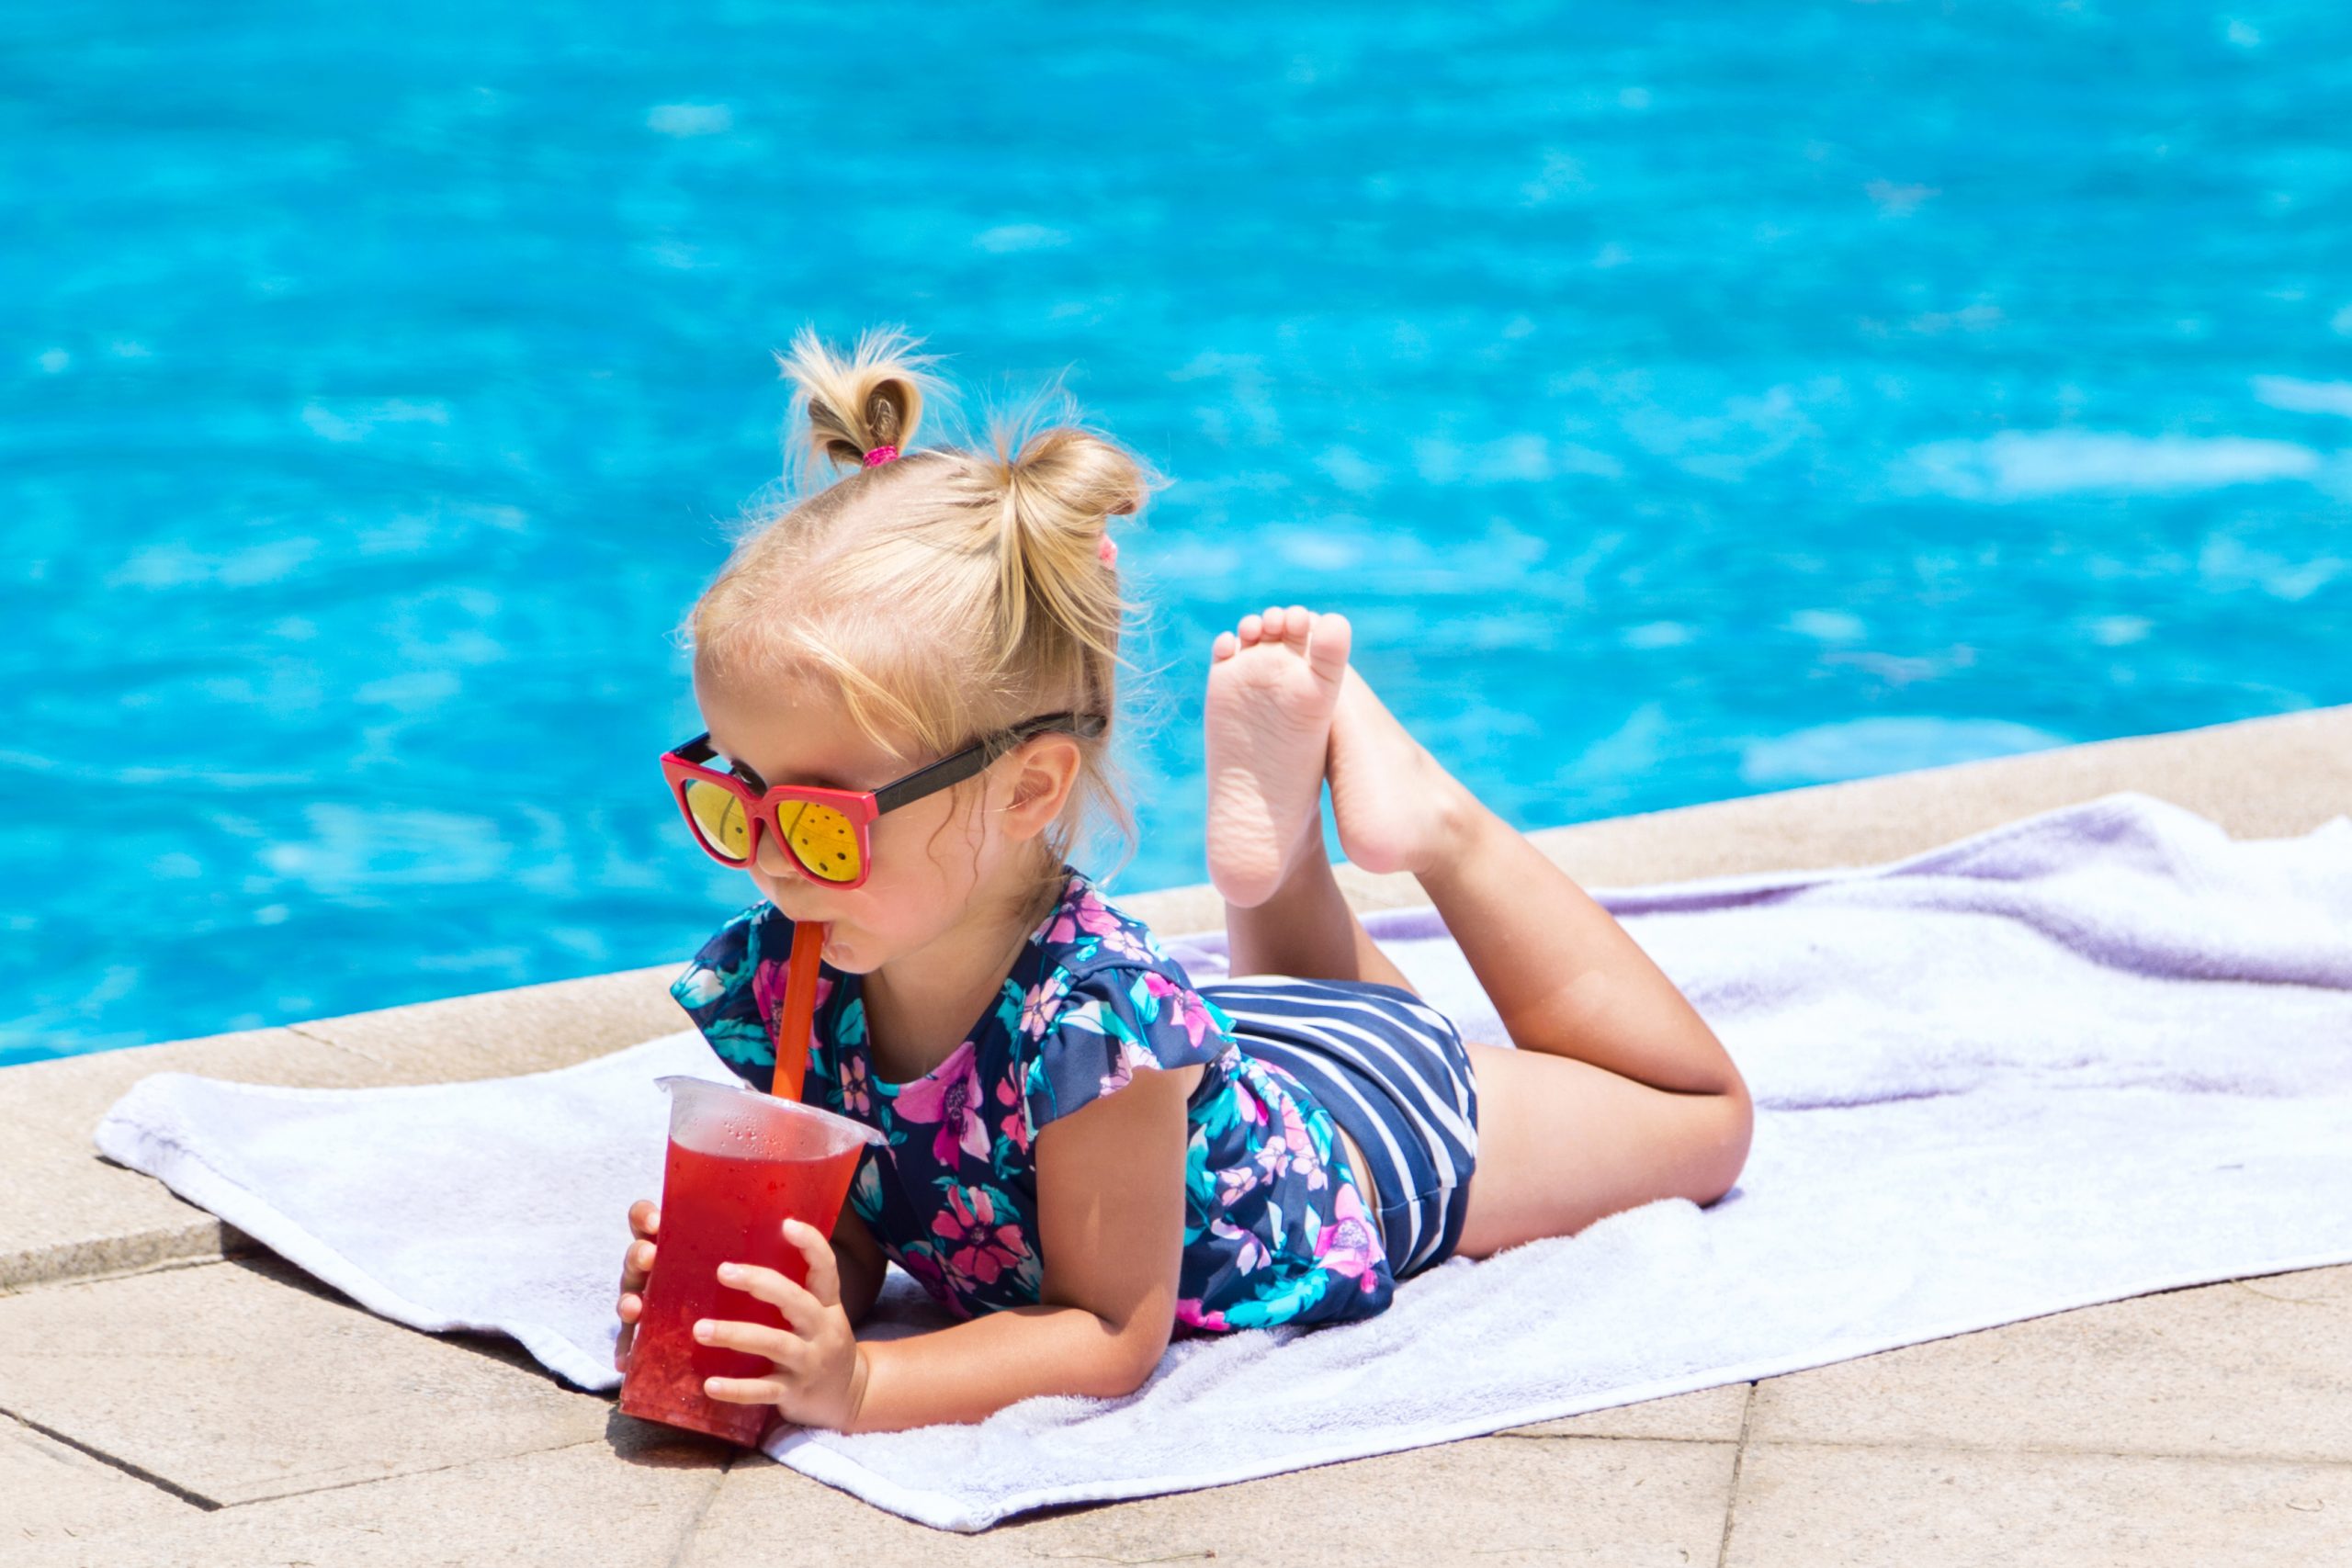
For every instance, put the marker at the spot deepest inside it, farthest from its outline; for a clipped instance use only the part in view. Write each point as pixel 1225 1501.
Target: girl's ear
pixel 1045 770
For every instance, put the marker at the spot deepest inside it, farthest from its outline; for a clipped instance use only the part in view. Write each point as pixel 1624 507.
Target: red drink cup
pixel 740 1162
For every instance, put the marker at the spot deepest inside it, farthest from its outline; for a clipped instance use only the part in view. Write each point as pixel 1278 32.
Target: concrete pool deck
pixel 172 1395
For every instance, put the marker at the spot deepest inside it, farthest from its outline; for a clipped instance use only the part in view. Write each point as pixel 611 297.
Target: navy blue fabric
pixel 1393 1073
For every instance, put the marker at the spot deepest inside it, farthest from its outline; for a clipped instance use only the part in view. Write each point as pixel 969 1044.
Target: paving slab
pixel 238 1380
pixel 73 1213
pixel 2258 778
pixel 629 1502
pixel 1628 1503
pixel 1706 1415
pixel 51 1495
pixel 2259 1368
pixel 1804 1506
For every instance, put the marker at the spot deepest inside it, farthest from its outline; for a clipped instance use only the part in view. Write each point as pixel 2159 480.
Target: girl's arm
pixel 859 1257
pixel 1110 1216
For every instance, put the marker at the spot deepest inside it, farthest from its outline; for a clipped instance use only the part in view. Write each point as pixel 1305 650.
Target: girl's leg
pixel 1272 690
pixel 1617 1093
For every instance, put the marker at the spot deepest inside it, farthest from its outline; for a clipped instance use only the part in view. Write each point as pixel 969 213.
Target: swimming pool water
pixel 1684 403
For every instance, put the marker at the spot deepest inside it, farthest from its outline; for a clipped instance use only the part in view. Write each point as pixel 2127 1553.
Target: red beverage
pixel 740 1164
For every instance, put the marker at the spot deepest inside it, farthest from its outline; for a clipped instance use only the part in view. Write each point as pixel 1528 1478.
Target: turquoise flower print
pixel 1349 1246
pixel 977 1242
pixel 850 1027
pixel 698 986
pixel 1008 1007
pixel 1282 1300
pixel 951 1097
pixel 866 1190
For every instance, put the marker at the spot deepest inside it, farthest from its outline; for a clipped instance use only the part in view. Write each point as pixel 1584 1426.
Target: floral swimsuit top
pixel 1274 1226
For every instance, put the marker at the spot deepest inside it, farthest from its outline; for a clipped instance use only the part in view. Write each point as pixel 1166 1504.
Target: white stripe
pixel 1448 1117
pixel 1434 1118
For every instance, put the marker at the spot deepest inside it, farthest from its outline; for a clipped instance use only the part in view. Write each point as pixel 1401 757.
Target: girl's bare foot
pixel 1273 682
pixel 1396 807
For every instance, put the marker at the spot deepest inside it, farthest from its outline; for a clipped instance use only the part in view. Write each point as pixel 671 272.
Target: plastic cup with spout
pixel 740 1164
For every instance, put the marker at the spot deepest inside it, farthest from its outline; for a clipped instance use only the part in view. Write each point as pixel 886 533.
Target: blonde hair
pixel 946 594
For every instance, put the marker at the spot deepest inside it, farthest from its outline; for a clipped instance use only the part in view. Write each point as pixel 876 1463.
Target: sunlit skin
pixel 953 891
pixel 1613 1093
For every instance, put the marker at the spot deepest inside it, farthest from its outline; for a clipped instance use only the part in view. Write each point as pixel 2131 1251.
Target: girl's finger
pixel 783 1348
pixel 632 1307
pixel 800 1308
pixel 745 1391
pixel 824 1273
pixel 644 1219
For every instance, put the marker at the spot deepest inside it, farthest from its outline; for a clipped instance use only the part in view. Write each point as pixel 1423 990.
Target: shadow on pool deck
pixel 168 1402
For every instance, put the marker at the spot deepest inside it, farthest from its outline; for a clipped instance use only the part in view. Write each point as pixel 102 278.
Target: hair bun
pixel 854 406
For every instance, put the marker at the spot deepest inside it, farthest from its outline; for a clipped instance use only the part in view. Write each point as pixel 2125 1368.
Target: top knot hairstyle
pixel 948 594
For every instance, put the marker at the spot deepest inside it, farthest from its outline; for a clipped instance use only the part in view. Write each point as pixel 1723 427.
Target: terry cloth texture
pixel 2091 1054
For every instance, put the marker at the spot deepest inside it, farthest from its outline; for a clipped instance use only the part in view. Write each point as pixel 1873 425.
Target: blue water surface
pixel 1685 401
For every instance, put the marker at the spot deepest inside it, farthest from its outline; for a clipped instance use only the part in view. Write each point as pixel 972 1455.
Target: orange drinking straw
pixel 800 1010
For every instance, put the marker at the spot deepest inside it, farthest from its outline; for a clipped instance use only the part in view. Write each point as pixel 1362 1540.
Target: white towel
pixel 2091 1053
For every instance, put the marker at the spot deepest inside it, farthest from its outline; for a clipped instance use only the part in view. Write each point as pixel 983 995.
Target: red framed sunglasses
pixel 827 832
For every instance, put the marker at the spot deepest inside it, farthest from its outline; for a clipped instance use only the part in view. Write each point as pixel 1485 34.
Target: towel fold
pixel 2094 1053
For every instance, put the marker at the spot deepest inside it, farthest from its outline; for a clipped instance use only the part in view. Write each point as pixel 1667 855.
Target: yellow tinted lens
pixel 720 817
pixel 823 840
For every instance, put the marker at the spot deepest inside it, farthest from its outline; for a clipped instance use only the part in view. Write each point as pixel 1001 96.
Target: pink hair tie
pixel 1108 550
pixel 880 456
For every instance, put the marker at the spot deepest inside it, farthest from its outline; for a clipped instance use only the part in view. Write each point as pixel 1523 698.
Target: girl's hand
pixel 819 1371
pixel 637 1264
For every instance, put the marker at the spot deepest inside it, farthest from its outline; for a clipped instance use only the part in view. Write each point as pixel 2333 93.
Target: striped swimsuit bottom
pixel 1393 1073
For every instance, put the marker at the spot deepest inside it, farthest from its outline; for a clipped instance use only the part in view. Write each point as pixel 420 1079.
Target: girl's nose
pixel 774 861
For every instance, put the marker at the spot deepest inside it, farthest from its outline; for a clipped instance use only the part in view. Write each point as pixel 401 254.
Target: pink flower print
pixel 1038 1008
pixel 1350 1244
pixel 918 1261
pixel 1234 1185
pixel 1273 1157
pixel 1086 913
pixel 951 1097
pixel 1016 1126
pixel 1252 1255
pixel 855 1100
pixel 1190 1310
pixel 1179 1006
pixel 1301 1149
pixel 767 992
pixel 977 1248
pixel 1133 1054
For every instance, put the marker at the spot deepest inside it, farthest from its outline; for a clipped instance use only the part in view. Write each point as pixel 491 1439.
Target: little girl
pixel 1087 1153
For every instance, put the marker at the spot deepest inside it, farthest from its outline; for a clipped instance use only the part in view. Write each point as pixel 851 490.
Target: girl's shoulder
pixel 1101 1000
pixel 1085 932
